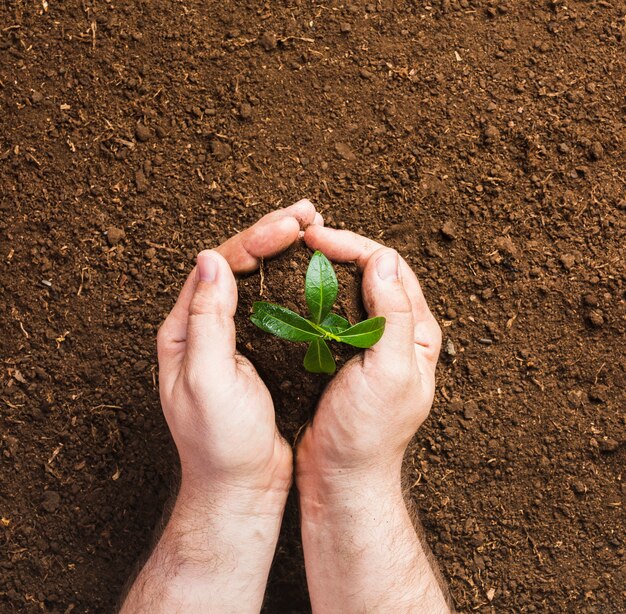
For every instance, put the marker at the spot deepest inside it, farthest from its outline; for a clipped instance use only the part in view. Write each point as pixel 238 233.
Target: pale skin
pixel 362 553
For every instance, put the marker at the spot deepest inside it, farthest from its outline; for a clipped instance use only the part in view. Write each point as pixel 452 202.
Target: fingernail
pixel 387 266
pixel 207 267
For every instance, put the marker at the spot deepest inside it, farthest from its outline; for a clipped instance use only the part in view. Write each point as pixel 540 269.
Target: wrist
pixel 230 499
pixel 335 493
pixel 239 493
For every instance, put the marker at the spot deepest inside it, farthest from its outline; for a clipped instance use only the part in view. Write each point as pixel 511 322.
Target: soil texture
pixel 483 139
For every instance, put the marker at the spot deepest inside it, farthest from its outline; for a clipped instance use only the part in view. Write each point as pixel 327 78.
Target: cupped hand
pixel 218 410
pixel 371 409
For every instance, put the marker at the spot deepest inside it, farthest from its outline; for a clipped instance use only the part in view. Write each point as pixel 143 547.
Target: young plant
pixel 321 291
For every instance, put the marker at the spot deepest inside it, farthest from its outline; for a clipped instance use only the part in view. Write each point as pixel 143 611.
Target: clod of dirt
pixel 596 151
pixel 590 300
pixel 575 398
pixel 595 318
pixel 507 247
pixel 141 181
pixel 11 444
pixel 345 28
pixel 491 133
pixel 608 445
pixel 115 235
pixel 470 410
pixel 245 110
pixel 51 501
pixel 599 394
pixel 143 133
pixel 448 230
pixel 345 152
pixel 567 260
pixel 220 150
pixel 36 97
pixel 268 41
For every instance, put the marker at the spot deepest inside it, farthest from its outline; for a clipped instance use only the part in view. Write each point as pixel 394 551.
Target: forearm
pixel 362 552
pixel 214 555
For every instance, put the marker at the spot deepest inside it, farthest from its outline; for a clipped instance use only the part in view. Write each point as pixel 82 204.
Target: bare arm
pixel 236 470
pixel 362 552
pixel 214 555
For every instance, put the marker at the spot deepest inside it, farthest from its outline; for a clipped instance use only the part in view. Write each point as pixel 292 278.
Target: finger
pixel 271 235
pixel 318 221
pixel 210 348
pixel 346 246
pixel 245 250
pixel 384 295
pixel 303 211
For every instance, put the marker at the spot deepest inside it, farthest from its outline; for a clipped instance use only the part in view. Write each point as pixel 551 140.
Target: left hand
pixel 219 411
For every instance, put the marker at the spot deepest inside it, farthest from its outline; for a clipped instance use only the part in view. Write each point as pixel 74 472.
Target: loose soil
pixel 483 139
pixel 293 389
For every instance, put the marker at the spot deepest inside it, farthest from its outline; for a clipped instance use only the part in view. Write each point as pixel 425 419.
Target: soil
pixel 483 139
pixel 294 390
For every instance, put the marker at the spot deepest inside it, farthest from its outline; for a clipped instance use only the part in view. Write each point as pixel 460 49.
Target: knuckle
pixel 201 304
pixel 163 335
pixel 434 345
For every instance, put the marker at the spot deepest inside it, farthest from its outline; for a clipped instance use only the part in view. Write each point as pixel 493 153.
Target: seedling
pixel 320 289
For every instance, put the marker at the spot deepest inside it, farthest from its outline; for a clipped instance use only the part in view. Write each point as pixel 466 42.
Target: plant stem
pixel 327 334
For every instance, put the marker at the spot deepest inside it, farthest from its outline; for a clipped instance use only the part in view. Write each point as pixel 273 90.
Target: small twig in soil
pixel 82 279
pixel 595 381
pixel 93 33
pixel 297 435
pixel 262 274
pixel 157 246
pixel 23 329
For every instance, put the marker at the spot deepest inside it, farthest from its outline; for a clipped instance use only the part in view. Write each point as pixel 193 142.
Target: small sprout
pixel 320 290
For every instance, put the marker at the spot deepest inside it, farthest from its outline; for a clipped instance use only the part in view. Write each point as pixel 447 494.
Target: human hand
pixel 216 550
pixel 372 408
pixel 218 410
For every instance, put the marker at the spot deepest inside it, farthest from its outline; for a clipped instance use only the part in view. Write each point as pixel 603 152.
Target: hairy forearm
pixel 214 555
pixel 362 552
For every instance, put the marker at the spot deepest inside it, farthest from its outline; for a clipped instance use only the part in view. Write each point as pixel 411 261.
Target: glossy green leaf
pixel 318 358
pixel 320 287
pixel 282 322
pixel 334 323
pixel 364 334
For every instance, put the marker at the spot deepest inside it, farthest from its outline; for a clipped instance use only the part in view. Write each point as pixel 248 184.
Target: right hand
pixel 371 409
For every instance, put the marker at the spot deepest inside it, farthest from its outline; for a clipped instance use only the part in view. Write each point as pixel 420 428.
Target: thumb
pixel 384 295
pixel 210 326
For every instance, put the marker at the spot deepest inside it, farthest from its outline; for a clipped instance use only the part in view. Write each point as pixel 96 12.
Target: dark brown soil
pixel 483 139
pixel 294 390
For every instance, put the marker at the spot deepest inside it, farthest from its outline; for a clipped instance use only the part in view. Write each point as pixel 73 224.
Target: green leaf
pixel 320 287
pixel 334 323
pixel 364 334
pixel 282 322
pixel 318 358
